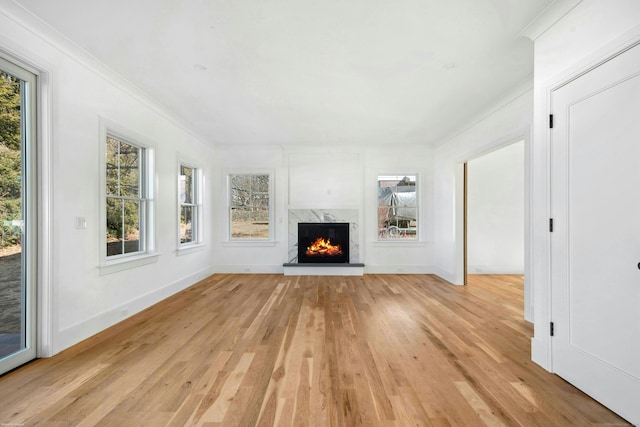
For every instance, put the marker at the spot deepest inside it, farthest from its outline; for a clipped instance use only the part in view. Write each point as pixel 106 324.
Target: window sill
pixel 189 248
pixel 125 263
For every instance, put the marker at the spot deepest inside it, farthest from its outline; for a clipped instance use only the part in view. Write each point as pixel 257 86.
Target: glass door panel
pixel 17 299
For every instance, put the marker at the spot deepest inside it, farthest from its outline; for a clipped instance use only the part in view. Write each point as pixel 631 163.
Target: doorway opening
pixel 494 212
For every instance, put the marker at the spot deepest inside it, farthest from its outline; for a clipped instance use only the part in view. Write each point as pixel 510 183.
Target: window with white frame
pixel 250 207
pixel 189 204
pixel 127 197
pixel 397 207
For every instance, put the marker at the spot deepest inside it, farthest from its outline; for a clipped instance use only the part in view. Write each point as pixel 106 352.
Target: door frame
pixel 576 365
pixel 29 207
pixel 523 134
pixel 541 343
pixel 527 204
pixel 45 315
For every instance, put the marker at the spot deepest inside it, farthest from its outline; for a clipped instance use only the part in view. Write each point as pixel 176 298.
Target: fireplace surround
pixel 351 268
pixel 298 215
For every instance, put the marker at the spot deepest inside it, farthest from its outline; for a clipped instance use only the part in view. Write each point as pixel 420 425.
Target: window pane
pixel 186 224
pixel 249 190
pixel 260 183
pixel 259 200
pixel 113 148
pixel 397 207
pixel 129 170
pixel 13 289
pixel 123 168
pixel 188 201
pixel 261 216
pixel 250 206
pixel 131 226
pixel 260 223
pixel 250 223
pixel 186 184
pixel 240 189
pixel 123 226
pixel 114 226
pixel 241 223
pixel 125 201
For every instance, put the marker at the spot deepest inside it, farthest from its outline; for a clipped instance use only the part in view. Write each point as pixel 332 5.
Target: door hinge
pixel 551 225
pixel 550 121
pixel 551 329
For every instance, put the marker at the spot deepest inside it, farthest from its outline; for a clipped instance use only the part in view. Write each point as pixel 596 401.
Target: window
pixel 188 198
pixel 127 198
pixel 397 207
pixel 250 206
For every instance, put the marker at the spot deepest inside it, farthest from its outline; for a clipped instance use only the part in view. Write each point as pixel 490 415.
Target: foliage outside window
pixel 126 197
pixel 10 163
pixel 188 197
pixel 397 207
pixel 249 206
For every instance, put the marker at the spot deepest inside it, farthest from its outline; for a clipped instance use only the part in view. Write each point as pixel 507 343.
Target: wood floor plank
pixel 479 406
pixel 245 350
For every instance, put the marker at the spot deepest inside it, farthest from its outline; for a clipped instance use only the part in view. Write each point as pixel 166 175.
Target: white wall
pixel 495 212
pixel 76 300
pixel 507 123
pixel 326 178
pixel 399 257
pixel 243 257
pixel 588 34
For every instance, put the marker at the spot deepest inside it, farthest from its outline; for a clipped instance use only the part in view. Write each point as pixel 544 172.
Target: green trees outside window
pixel 10 162
pixel 126 202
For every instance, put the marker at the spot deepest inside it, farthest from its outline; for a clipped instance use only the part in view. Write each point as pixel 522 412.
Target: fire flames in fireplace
pixel 326 242
pixel 323 247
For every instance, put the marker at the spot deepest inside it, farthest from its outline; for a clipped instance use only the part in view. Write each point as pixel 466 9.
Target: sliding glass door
pixel 17 216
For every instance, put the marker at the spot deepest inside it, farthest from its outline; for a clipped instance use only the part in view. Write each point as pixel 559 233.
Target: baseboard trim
pixel 72 335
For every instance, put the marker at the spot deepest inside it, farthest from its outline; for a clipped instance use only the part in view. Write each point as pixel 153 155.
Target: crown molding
pixel 45 32
pixel 547 18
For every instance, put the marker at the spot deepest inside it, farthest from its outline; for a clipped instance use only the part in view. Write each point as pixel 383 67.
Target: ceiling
pixel 291 72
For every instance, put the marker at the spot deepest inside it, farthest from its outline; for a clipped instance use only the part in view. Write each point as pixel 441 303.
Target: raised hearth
pixel 326 269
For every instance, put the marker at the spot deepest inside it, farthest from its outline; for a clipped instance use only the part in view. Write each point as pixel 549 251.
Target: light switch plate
pixel 81 222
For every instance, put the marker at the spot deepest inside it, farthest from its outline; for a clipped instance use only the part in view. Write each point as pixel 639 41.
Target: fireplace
pixel 323 242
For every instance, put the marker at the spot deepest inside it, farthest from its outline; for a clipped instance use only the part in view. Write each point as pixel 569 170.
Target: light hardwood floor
pixel 378 350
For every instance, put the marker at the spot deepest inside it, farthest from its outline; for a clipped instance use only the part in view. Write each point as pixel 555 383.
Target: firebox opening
pixel 323 242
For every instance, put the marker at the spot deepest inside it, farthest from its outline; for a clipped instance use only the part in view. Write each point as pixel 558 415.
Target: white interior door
pixel 595 243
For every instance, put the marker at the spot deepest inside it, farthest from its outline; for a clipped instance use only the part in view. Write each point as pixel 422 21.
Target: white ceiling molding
pixel 547 18
pixel 58 41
